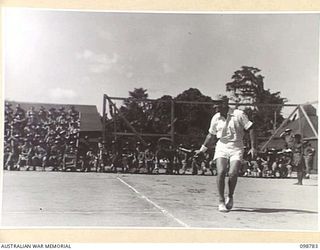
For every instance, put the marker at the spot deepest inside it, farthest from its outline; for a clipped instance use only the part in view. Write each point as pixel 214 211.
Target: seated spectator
pixel 265 166
pixel 91 161
pixel 55 157
pixel 69 156
pixel 73 113
pixel 31 116
pixel 37 127
pixel 13 154
pixel 43 115
pixel 25 156
pixel 274 167
pixel 256 171
pixel 19 112
pixel 39 156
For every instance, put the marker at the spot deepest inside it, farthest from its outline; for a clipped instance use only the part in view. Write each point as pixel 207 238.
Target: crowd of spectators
pixel 143 158
pixel 297 155
pixel 49 140
pixel 39 138
pixel 152 159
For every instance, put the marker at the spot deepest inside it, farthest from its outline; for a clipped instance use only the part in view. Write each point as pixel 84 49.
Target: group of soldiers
pixel 297 155
pixel 49 139
pixel 39 138
pixel 140 158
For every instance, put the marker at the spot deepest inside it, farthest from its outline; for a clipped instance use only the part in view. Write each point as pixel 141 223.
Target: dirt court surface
pixel 60 199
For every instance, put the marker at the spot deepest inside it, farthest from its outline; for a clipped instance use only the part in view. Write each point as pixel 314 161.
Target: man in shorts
pixel 226 131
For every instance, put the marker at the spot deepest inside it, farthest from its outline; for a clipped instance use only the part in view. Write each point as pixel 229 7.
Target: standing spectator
pixel 125 156
pixel 139 156
pixel 288 137
pixel 309 153
pixel 149 158
pixel 288 161
pixel 102 156
pixel 297 159
pixel 114 156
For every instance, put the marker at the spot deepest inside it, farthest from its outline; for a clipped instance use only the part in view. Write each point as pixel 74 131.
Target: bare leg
pixel 222 164
pixel 233 176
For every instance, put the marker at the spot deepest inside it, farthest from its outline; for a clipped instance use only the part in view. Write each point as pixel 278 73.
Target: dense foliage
pixel 191 121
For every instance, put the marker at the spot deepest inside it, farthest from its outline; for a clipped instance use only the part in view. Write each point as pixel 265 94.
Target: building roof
pixel 89 116
pixel 306 130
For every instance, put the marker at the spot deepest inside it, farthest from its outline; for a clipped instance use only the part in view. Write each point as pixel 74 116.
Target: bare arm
pixel 209 141
pixel 253 141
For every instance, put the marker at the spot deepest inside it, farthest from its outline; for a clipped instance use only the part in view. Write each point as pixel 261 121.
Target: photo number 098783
pixel 308 246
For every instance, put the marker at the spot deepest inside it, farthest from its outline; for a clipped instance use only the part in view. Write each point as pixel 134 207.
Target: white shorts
pixel 231 151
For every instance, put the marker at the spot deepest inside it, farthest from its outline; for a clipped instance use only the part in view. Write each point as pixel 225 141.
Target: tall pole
pixel 104 118
pixel 300 121
pixel 114 122
pixel 172 121
pixel 275 121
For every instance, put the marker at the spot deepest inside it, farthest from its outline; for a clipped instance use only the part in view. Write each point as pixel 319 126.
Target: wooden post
pixel 300 125
pixel 275 120
pixel 114 124
pixel 104 118
pixel 172 121
pixel 126 121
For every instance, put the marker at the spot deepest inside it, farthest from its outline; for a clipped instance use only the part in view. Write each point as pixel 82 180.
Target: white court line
pixel 73 212
pixel 165 212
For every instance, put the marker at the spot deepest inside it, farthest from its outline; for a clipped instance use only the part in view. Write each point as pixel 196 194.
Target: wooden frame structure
pixel 110 101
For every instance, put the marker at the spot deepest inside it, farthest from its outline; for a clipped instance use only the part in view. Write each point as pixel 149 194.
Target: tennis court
pixel 60 199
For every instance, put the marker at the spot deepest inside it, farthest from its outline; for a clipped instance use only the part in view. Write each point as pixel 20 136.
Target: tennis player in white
pixel 226 130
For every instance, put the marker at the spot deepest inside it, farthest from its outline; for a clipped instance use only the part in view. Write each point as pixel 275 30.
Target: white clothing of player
pixel 230 132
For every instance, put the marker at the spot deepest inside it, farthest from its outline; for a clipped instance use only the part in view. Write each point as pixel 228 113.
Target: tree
pixel 248 87
pixel 160 115
pixel 193 119
pixel 247 84
pixel 135 108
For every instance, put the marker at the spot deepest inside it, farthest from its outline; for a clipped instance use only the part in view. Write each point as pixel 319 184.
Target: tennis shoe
pixel 222 208
pixel 229 203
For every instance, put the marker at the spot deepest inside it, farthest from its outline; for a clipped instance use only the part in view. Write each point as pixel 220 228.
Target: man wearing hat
pixel 226 131
pixel 288 137
pixel 297 158
pixel 309 153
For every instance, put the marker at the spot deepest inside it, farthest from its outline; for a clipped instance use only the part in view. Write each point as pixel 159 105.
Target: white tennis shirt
pixel 232 128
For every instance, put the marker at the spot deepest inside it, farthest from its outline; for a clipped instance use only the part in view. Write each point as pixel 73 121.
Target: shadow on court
pixel 272 210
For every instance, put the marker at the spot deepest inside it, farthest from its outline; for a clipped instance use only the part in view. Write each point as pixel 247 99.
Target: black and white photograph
pixel 160 120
